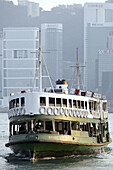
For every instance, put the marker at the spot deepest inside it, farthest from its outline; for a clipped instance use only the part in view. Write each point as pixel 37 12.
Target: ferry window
pixel 22 101
pixel 64 102
pixel 89 105
pixel 92 105
pixel 51 101
pixel 42 101
pixel 58 102
pixel 82 126
pixel 22 128
pixel 104 106
pixel 74 125
pixel 39 126
pixel 106 126
pixel 49 125
pixel 74 104
pixel 70 103
pixel 82 104
pixel 59 127
pixel 17 102
pixel 11 104
pixel 95 105
pixel 78 103
pixel 85 105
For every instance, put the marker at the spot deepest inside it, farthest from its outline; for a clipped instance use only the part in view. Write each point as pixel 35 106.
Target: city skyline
pixel 47 6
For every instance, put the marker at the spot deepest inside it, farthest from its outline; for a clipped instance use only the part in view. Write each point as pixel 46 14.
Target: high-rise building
pixel 105 75
pixel 105 65
pixel 1 34
pixel 20 51
pixel 23 2
pixel 32 7
pixel 98 22
pixel 52 49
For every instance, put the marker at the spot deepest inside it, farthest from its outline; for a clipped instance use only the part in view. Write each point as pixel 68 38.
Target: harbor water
pixel 10 161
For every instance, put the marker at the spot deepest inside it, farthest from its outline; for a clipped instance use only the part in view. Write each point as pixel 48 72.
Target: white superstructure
pixel 47 103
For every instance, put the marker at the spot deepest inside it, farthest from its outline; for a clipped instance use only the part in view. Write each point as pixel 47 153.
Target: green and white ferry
pixel 56 123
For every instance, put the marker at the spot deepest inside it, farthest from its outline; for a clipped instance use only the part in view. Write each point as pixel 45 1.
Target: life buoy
pixel 42 110
pixel 70 112
pixel 74 113
pixel 66 112
pixel 81 114
pixel 22 111
pixel 60 111
pixel 78 113
pixel 56 111
pixel 18 110
pixel 50 111
pixel 86 113
pixel 63 111
pixel 13 113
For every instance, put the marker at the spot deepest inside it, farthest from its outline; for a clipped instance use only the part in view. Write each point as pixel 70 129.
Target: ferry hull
pixel 49 149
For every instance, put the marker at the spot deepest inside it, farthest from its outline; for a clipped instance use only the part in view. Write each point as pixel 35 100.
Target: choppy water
pixel 9 161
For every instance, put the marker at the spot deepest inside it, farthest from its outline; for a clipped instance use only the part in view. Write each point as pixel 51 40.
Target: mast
pixel 40 62
pixel 78 72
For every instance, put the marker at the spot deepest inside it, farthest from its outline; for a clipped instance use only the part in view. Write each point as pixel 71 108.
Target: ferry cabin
pixel 58 114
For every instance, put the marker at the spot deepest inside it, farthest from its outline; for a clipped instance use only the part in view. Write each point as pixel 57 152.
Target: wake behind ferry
pixel 55 123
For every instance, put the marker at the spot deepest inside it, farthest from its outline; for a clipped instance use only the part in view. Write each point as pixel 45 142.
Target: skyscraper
pixel 32 7
pixel 52 49
pixel 98 22
pixel 1 34
pixel 20 51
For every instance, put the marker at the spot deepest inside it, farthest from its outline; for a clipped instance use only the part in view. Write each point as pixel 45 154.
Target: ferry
pixel 55 123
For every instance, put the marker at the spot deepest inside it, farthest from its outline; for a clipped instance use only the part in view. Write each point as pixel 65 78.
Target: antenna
pixel 40 65
pixel 40 62
pixel 40 57
pixel 78 71
pixel 77 66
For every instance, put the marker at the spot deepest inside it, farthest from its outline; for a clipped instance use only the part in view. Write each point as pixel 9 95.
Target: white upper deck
pixel 51 103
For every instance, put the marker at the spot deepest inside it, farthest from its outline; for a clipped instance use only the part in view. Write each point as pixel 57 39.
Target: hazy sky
pixel 48 4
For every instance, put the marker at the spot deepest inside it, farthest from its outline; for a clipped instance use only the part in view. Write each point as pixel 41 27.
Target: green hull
pixel 54 144
pixel 40 149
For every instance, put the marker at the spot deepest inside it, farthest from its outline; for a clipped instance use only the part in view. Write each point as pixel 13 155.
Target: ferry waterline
pixel 56 123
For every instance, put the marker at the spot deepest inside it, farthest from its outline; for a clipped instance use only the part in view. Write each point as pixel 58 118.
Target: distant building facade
pixel 20 51
pixel 1 38
pixel 105 74
pixel 23 2
pixel 98 22
pixel 32 7
pixel 52 39
pixel 105 65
